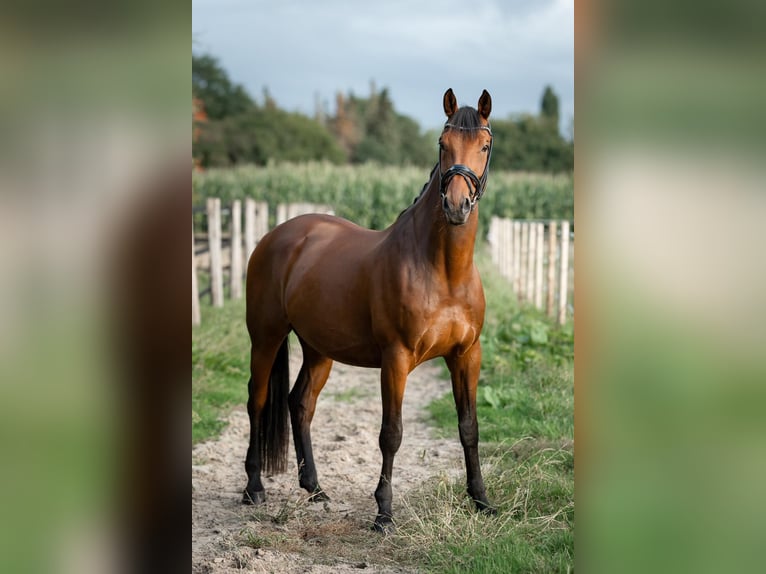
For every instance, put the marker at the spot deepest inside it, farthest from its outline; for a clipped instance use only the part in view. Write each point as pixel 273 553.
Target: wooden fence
pixel 218 253
pixel 537 258
pixel 287 211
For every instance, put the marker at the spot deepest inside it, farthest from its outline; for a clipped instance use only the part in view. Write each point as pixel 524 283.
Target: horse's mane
pixel 425 185
pixel 422 191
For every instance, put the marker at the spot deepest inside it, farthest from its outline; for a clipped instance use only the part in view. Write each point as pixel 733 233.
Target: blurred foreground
pixel 94 184
pixel 670 367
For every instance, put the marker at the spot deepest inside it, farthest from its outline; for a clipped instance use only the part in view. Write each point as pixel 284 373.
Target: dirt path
pixel 290 535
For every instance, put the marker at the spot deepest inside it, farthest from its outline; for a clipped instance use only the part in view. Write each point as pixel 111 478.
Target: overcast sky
pixel 417 49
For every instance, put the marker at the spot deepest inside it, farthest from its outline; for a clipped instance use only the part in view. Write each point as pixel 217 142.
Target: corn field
pixel 373 195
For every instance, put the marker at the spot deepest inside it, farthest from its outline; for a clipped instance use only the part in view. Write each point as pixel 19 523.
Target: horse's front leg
pixel 393 378
pixel 464 370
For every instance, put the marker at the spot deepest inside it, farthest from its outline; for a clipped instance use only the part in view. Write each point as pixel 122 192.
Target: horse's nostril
pixel 466 205
pixel 445 205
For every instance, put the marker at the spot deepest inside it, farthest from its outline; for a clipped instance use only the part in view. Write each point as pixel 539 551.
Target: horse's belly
pixel 340 347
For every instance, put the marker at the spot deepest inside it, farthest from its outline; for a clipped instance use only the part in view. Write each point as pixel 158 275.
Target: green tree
pixel 370 129
pixel 549 106
pixel 530 143
pixel 262 135
pixel 211 84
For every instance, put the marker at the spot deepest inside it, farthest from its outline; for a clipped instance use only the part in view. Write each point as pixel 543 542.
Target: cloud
pixel 417 50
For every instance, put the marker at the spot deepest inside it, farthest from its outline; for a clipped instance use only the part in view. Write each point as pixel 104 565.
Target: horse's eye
pixel 485 149
pixel 441 147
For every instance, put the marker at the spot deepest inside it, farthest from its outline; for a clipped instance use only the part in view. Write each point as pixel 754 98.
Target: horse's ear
pixel 450 103
pixel 485 104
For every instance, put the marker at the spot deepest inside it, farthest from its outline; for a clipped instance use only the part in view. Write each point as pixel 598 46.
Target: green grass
pixel 525 408
pixel 526 386
pixel 220 367
pixel 525 411
pixel 532 484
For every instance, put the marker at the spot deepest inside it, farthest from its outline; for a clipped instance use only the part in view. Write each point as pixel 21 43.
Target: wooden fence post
pixel 495 240
pixel 540 227
pixel 216 259
pixel 531 256
pixel 508 227
pixel 249 228
pixel 261 221
pixel 236 249
pixel 502 246
pixel 564 275
pixel 549 303
pixel 281 213
pixel 516 258
pixel 195 285
pixel 524 260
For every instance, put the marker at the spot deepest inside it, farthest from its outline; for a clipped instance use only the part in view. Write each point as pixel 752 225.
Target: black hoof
pixel 383 525
pixel 318 495
pixel 485 508
pixel 255 497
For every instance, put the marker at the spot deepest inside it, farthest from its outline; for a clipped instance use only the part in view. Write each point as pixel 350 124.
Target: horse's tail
pixel 273 427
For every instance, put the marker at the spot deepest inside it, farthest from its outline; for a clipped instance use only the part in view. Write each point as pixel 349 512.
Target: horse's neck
pixel 449 248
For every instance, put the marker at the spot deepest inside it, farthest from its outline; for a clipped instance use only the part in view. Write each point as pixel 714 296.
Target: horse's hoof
pixel 255 497
pixel 486 509
pixel 383 525
pixel 319 495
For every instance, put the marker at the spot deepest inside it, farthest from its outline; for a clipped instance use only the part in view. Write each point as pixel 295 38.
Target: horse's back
pixel 310 238
pixel 312 272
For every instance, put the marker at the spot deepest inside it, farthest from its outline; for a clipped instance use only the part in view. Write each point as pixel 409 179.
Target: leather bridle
pixel 475 183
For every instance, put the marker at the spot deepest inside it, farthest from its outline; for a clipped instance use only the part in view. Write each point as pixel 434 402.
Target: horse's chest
pixel 438 331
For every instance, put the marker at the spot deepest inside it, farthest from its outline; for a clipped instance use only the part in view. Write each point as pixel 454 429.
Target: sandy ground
pixel 289 534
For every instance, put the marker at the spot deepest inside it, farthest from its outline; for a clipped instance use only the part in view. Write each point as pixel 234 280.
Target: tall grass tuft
pixel 530 482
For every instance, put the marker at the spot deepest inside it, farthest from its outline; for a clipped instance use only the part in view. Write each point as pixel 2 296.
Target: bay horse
pixel 388 299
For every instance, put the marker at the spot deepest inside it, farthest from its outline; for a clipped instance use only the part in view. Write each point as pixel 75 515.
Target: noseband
pixel 475 183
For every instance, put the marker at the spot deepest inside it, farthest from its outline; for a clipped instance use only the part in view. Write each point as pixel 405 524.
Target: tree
pixel 370 129
pixel 211 84
pixel 262 135
pixel 549 106
pixel 530 143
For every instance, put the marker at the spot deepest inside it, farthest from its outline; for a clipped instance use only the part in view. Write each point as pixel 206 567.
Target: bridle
pixel 475 183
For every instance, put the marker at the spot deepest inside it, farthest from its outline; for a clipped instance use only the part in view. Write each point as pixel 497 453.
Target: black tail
pixel 273 427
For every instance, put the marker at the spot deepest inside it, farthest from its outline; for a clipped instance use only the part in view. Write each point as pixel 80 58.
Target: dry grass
pixel 530 481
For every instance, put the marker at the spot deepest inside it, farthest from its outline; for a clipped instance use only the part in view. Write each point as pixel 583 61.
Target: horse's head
pixel 465 147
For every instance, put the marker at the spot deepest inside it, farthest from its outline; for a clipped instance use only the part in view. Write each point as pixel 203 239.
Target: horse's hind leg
pixel 302 400
pixel 267 363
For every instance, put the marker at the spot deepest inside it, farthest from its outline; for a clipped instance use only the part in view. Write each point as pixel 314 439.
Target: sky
pixel 303 49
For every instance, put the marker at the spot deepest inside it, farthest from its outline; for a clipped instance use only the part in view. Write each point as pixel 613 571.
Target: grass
pixel 526 400
pixel 531 483
pixel 220 367
pixel 525 412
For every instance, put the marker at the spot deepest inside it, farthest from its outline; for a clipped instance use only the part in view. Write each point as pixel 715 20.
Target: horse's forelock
pixel 466 119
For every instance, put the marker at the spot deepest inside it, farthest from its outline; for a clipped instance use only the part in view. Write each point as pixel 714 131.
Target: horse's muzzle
pixel 457 215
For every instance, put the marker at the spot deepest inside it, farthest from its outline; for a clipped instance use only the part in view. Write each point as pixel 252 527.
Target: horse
pixel 389 299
